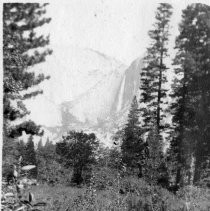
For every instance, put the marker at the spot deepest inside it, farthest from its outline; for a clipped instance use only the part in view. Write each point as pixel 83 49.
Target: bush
pixel 195 198
pixel 54 173
pixel 104 178
pixel 14 193
pixel 149 197
pixel 131 194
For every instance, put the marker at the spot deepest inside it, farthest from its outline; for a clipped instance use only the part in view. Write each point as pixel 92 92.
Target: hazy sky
pixel 117 28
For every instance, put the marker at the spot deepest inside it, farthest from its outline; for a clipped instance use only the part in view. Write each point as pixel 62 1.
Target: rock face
pixel 92 92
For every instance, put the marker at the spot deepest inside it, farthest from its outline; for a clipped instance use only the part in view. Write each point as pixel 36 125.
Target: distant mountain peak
pixel 88 91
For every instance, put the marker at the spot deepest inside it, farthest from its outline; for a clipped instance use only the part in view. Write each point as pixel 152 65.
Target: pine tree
pixel 48 169
pixel 132 143
pixel 19 37
pixel 30 157
pixel 192 92
pixel 21 145
pixel 40 145
pixel 77 150
pixel 201 87
pixel 153 75
pixel 180 150
pixel 154 168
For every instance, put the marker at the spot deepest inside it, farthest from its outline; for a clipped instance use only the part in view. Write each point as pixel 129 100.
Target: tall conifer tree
pixel 153 75
pixel 22 49
pixel 192 91
pixel 132 143
pixel 20 22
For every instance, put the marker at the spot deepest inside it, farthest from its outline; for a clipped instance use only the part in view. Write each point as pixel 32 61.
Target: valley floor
pixel 62 198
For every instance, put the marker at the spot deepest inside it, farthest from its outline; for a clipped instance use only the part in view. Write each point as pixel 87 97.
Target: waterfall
pixel 121 92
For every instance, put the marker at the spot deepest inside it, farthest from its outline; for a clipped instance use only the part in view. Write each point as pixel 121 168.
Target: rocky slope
pixel 90 91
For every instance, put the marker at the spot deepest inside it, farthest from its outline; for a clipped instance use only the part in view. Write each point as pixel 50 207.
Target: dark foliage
pixel 153 75
pixel 132 143
pixel 19 37
pixel 77 150
pixel 191 91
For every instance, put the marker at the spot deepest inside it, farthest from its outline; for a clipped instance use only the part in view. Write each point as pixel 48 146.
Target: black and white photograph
pixel 105 105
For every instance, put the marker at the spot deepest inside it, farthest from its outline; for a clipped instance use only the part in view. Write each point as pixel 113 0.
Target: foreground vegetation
pixel 138 196
pixel 107 189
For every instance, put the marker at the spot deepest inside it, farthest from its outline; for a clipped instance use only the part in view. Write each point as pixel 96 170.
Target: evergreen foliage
pixel 22 49
pixel 154 168
pixel 132 143
pixel 49 169
pixel 29 157
pixel 77 150
pixel 191 91
pixel 153 75
pixel 109 158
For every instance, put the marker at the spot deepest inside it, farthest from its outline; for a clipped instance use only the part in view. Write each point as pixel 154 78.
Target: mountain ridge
pixel 106 90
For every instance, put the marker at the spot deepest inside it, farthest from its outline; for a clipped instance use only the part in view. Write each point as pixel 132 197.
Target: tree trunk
pixel 77 176
pixel 159 87
pixel 158 106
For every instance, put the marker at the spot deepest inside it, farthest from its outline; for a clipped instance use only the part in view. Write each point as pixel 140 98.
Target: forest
pixel 140 171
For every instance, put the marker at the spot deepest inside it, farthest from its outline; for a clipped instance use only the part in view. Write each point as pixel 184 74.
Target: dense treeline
pixel 187 158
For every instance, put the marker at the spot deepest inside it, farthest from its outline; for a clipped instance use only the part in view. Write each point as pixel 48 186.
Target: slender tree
pixel 132 143
pixel 29 157
pixel 153 75
pixel 40 145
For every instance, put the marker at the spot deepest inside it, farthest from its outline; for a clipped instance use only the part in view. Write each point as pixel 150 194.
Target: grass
pixel 62 198
pixel 125 194
pixel 58 197
pixel 145 198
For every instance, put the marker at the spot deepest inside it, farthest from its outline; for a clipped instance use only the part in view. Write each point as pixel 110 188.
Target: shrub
pixel 148 197
pixel 195 198
pixel 14 193
pixel 104 178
